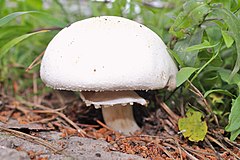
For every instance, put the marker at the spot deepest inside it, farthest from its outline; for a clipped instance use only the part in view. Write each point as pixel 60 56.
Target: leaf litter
pixel 159 138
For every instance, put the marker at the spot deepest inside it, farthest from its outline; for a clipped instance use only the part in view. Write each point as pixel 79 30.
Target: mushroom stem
pixel 120 118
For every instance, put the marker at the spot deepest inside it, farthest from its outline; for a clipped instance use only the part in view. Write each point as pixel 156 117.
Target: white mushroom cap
pixel 107 53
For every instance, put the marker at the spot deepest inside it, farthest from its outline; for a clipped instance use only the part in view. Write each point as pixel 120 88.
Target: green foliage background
pixel 202 35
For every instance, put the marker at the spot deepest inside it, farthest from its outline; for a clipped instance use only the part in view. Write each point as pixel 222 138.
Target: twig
pixel 166 152
pixel 221 145
pixel 50 29
pixel 189 155
pixel 35 62
pixel 174 116
pixel 35 88
pixel 197 151
pixel 207 107
pixel 30 138
pixel 103 125
pixel 45 120
pixel 63 116
pixel 211 146
pixel 179 149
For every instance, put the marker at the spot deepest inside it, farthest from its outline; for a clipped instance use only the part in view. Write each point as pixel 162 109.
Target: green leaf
pixel 233 23
pixel 36 14
pixel 234 117
pixel 227 38
pixel 12 16
pixel 176 57
pixel 225 76
pixel 234 134
pixel 189 58
pixel 192 126
pixel 221 91
pixel 15 41
pixel 47 18
pixel 193 14
pixel 203 45
pixel 184 74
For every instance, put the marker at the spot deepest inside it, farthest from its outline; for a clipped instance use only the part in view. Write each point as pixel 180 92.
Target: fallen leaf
pixel 192 126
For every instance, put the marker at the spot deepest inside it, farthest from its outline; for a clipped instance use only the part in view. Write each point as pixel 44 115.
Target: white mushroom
pixel 111 55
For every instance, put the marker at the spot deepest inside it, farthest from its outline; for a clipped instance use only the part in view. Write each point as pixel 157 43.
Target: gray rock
pixel 72 148
pixel 12 154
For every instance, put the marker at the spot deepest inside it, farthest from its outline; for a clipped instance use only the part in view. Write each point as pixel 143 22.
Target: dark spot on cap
pixel 118 21
pixel 94 70
pixel 141 26
pixel 105 19
pixel 98 155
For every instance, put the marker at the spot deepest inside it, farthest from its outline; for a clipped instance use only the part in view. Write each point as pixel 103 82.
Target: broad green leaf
pixel 225 76
pixel 12 16
pixel 203 45
pixel 15 41
pixel 233 23
pixel 221 91
pixel 184 74
pixel 227 38
pixel 234 118
pixel 192 126
pixel 234 134
pixel 189 58
pixel 176 57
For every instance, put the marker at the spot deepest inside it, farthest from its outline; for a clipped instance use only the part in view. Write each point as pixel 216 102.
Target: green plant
pixel 208 48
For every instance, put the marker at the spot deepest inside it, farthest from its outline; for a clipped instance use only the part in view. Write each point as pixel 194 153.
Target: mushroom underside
pixel 116 107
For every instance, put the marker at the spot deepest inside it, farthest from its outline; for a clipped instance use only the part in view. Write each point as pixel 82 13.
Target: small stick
pixel 166 152
pixel 45 120
pixel 211 146
pixel 174 116
pixel 35 87
pixel 221 145
pixel 63 116
pixel 105 126
pixel 35 62
pixel 190 156
pixel 30 138
pixel 207 107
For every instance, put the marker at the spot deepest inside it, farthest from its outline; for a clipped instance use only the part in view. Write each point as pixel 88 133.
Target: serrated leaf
pixel 192 127
pixel 234 117
pixel 184 74
pixel 15 41
pixel 227 38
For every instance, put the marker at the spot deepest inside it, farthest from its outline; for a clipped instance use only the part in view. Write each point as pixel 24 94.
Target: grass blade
pixel 15 41
pixel 11 16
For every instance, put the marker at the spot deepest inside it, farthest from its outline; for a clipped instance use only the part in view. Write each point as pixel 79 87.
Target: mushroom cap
pixel 107 53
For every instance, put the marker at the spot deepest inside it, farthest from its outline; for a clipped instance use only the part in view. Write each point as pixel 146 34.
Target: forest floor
pixel 60 126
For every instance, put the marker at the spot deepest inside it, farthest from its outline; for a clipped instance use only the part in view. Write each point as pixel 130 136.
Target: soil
pixel 59 126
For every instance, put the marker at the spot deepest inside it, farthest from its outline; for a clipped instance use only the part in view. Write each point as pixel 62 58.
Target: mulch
pixel 66 113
